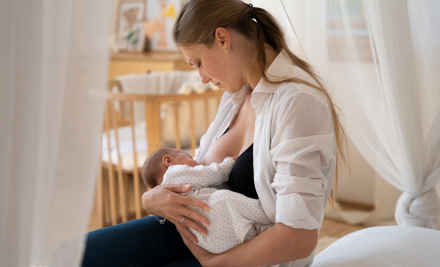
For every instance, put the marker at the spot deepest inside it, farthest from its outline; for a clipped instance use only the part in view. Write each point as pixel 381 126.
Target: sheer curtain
pixel 53 64
pixel 381 62
pixel 407 40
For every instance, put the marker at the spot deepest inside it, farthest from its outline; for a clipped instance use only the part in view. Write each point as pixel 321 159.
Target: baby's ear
pixel 167 160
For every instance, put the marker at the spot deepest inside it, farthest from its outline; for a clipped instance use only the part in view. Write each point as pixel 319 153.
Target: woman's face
pixel 225 70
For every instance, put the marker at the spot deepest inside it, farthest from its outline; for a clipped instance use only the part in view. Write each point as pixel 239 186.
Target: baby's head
pixel 158 162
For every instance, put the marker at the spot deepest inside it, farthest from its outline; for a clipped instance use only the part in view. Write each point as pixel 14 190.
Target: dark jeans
pixel 141 242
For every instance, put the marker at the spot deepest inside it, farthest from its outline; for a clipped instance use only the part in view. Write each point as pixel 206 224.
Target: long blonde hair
pixel 199 19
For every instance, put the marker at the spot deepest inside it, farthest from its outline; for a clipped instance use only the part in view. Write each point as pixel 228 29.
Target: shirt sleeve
pixel 302 146
pixel 199 176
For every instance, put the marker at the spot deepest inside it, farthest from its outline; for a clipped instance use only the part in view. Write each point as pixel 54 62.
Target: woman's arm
pixel 277 244
pixel 165 201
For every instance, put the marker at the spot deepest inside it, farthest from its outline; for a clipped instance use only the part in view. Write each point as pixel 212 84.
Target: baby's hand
pixel 231 157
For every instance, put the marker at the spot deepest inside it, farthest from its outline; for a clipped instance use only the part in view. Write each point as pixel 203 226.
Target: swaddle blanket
pixel 233 217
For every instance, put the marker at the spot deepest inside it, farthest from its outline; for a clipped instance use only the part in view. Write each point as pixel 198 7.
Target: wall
pixel 360 186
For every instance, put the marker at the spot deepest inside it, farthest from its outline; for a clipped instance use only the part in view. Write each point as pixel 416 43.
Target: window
pixel 347 30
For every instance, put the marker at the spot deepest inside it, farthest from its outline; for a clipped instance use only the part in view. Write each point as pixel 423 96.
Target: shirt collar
pixel 278 70
pixel 239 96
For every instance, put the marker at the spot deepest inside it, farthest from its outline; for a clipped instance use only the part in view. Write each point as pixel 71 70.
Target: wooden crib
pixel 119 185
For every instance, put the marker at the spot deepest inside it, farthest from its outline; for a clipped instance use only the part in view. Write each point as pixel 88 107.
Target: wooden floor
pixel 337 229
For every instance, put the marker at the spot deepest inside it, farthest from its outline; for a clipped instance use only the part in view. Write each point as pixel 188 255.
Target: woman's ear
pixel 223 38
pixel 167 160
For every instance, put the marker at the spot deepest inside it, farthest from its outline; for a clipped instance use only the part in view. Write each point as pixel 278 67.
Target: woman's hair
pixel 199 19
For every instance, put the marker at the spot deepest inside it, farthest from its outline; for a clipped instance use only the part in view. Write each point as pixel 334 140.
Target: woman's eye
pixel 199 65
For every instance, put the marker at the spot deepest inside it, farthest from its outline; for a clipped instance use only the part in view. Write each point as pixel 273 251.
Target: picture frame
pixel 130 35
pixel 160 17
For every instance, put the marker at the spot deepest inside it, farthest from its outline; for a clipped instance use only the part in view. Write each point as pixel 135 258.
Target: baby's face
pixel 184 158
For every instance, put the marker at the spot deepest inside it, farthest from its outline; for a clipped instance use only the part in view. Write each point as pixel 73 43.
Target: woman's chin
pixel 229 89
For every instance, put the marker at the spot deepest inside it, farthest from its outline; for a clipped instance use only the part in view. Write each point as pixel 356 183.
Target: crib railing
pixel 119 185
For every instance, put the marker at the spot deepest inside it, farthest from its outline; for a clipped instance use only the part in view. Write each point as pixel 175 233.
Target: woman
pixel 275 114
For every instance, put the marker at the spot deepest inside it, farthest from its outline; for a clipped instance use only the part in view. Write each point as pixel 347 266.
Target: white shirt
pixel 294 147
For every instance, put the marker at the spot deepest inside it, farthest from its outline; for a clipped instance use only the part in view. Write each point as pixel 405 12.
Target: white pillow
pixel 397 246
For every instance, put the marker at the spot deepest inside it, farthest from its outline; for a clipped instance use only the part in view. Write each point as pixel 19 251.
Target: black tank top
pixel 241 179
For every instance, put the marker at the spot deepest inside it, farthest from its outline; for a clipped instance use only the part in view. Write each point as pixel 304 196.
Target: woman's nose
pixel 205 79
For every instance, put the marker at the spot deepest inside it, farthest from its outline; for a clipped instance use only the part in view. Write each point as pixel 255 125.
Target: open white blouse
pixel 294 147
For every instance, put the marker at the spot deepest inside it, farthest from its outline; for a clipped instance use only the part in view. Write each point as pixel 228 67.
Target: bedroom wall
pixel 360 186
pixel 365 186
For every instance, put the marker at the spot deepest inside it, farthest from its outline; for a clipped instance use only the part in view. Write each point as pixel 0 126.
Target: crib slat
pixel 193 128
pixel 99 189
pixel 206 113
pixel 110 168
pixel 106 198
pixel 158 127
pixel 151 138
pixel 176 124
pixel 152 114
pixel 137 197
pixel 122 198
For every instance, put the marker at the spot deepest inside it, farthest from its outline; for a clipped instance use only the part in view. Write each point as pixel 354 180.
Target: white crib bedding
pixel 384 246
pixel 126 146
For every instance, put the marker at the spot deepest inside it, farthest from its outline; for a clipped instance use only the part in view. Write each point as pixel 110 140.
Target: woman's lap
pixel 141 242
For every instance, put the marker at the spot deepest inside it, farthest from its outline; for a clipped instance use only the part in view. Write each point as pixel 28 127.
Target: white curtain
pixel 53 64
pixel 407 41
pixel 380 60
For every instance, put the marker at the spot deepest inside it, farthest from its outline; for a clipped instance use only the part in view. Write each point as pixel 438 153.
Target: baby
pixel 234 218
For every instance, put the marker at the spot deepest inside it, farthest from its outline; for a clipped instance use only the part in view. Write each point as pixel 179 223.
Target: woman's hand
pixel 165 201
pixel 204 257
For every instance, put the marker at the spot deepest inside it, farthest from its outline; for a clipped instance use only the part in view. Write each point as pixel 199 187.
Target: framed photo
pixel 130 35
pixel 160 18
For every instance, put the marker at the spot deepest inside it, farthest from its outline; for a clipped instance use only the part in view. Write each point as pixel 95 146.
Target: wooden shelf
pixel 149 56
pixel 127 63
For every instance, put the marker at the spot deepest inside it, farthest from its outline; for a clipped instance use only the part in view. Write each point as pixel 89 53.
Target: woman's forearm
pixel 276 245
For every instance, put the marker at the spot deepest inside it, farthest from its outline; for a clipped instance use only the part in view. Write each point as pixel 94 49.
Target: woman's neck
pixel 253 72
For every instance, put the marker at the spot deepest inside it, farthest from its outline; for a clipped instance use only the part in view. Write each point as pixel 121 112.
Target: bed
pixel 391 246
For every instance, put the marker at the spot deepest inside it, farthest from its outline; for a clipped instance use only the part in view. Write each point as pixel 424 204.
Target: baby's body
pixel 234 218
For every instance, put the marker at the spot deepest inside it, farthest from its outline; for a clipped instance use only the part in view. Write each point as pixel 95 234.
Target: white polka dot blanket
pixel 234 218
